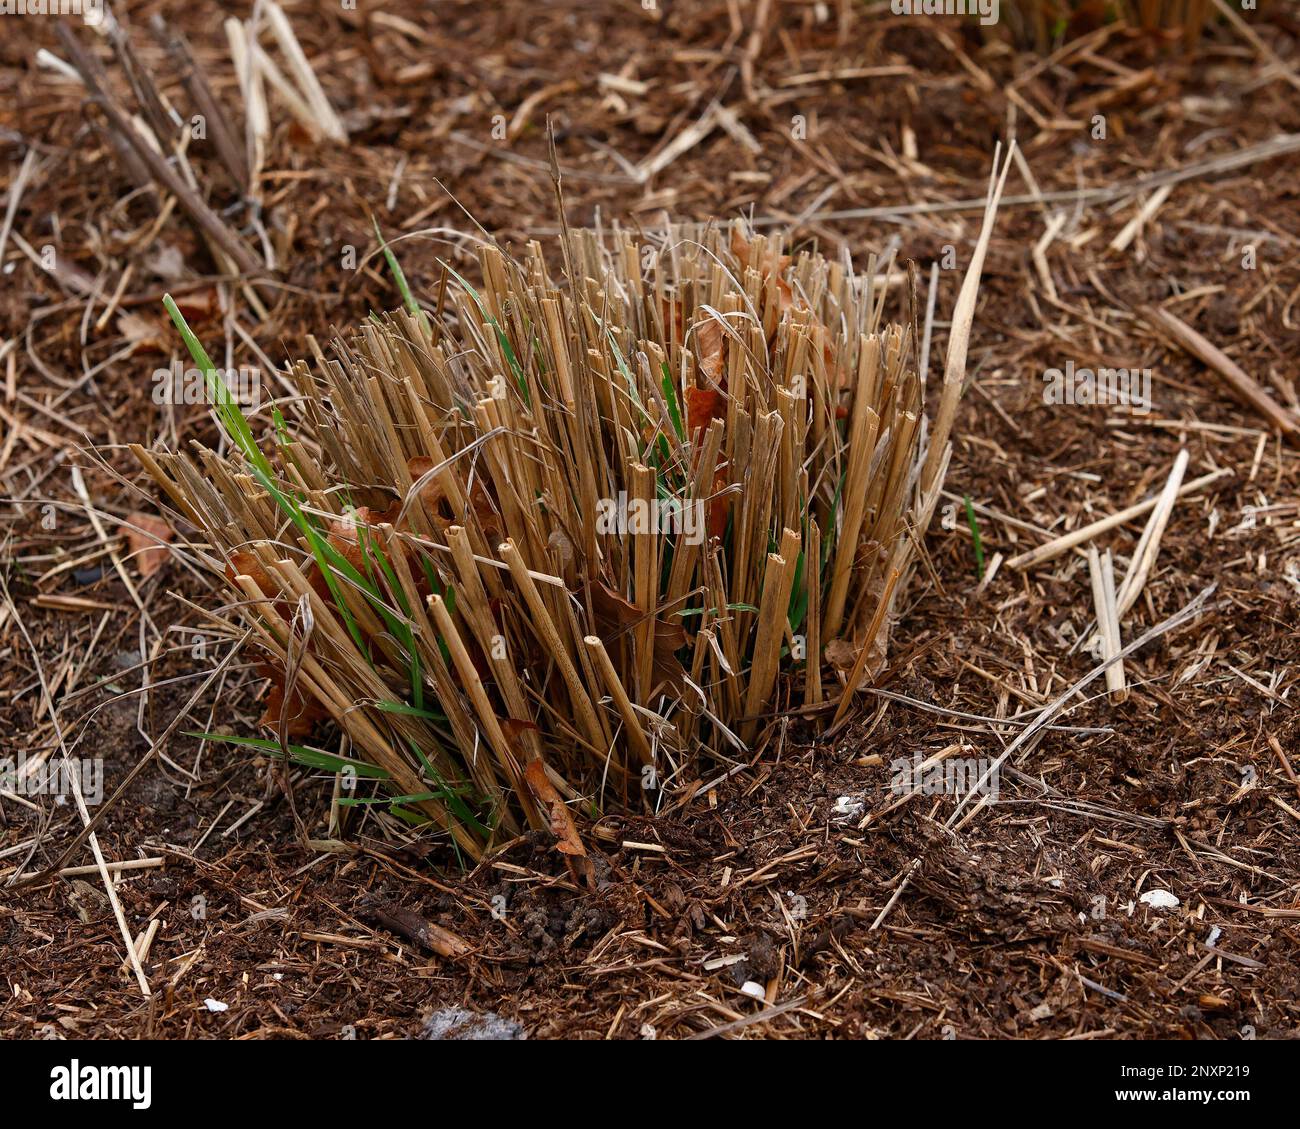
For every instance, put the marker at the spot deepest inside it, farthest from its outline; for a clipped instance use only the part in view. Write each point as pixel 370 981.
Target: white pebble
pixel 1159 899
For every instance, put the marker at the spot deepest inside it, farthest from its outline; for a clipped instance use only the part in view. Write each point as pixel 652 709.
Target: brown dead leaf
pixel 560 821
pixel 143 541
pixel 771 267
pixel 143 334
pixel 408 923
pixel 300 712
pixel 439 509
pixel 842 654
pixel 616 615
pixel 244 563
pixel 703 406
pixel 710 348
pixel 199 306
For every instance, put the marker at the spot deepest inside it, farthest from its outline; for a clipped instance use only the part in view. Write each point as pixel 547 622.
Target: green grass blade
pixel 301 754
pixel 399 276
pixel 975 533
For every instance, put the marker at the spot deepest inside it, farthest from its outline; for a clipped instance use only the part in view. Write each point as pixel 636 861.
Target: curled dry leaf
pixel 560 821
pixel 143 541
pixel 345 538
pixel 244 563
pixel 710 348
pixel 561 546
pixel 299 711
pixel 616 615
pixel 439 509
pixel 869 555
pixel 843 654
pixel 770 266
pixel 674 328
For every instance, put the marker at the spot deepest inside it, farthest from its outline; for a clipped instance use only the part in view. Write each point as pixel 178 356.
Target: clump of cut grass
pixel 558 542
pixel 1043 23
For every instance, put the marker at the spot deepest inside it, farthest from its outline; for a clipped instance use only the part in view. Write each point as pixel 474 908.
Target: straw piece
pixel 303 73
pixel 778 579
pixel 963 316
pixel 635 734
pixel 556 649
pixel 1102 572
pixel 1244 387
pixel 1149 544
pixel 1068 541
